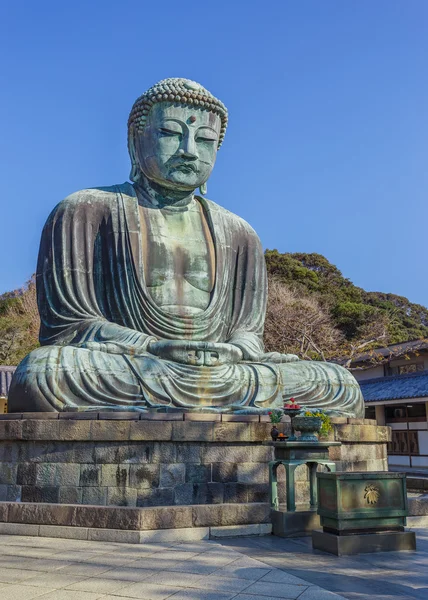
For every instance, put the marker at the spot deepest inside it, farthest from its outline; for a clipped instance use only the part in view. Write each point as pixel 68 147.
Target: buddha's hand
pixel 277 357
pixel 200 354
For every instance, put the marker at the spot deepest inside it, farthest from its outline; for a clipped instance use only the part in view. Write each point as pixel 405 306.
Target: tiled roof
pixel 5 379
pixel 414 385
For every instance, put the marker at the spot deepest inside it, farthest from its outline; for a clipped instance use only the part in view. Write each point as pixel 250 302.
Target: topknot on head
pixel 178 91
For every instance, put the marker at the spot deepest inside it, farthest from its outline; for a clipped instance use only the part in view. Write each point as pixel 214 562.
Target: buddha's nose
pixel 188 148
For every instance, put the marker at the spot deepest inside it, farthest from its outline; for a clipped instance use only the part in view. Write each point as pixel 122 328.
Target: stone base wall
pixel 166 460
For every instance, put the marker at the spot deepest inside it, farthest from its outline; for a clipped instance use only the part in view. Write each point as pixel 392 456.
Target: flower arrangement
pixel 275 415
pixel 326 426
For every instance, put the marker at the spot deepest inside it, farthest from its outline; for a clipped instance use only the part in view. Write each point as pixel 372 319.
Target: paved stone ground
pixel 382 576
pixel 57 569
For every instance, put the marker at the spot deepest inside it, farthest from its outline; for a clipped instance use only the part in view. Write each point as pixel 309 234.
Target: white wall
pixel 369 373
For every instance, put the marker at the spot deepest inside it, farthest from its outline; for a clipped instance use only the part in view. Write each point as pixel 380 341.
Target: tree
pixel 298 324
pixel 19 324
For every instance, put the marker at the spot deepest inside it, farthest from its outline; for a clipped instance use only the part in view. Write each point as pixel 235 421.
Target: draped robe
pixel 97 319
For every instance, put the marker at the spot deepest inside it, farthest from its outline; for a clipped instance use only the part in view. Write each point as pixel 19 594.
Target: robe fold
pixel 97 319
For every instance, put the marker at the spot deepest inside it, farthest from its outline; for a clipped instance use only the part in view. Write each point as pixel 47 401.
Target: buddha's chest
pixel 178 258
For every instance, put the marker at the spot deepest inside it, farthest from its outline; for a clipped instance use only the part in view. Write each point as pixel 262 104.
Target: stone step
pixel 131 518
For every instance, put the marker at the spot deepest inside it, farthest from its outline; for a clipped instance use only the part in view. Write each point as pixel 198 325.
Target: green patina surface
pixel 353 501
pixel 154 298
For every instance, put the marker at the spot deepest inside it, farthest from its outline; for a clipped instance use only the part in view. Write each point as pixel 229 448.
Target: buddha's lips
pixel 186 167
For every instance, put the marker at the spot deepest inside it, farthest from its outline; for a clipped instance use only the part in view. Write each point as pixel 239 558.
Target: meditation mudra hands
pixel 210 354
pixel 201 354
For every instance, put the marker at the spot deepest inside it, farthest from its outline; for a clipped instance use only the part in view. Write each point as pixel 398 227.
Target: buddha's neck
pixel 152 194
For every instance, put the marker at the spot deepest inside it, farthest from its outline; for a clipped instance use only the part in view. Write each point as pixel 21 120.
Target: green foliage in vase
pixel 326 426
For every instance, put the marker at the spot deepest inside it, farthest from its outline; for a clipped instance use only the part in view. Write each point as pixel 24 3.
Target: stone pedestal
pixel 161 460
pixel 342 545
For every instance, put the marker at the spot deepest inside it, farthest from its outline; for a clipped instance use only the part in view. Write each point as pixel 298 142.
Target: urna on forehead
pixel 179 92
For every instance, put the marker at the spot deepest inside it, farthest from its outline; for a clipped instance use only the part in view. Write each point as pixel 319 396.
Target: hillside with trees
pixel 313 311
pixel 327 316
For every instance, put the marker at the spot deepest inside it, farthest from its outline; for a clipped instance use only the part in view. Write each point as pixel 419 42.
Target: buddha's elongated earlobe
pixel 203 189
pixel 135 170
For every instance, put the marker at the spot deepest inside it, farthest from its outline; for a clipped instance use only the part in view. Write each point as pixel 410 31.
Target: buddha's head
pixel 174 132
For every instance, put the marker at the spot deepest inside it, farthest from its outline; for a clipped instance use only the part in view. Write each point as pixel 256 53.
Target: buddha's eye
pixel 206 139
pixel 169 132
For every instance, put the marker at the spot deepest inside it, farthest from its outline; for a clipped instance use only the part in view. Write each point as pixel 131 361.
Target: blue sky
pixel 327 145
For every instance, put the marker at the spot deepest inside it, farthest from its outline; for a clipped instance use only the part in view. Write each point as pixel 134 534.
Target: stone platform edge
pixel 132 519
pixel 172 427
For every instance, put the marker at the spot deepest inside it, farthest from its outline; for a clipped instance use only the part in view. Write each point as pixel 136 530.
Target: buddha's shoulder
pixel 96 196
pixel 230 218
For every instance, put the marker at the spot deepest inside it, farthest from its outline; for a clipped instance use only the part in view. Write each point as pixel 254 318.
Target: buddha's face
pixel 178 146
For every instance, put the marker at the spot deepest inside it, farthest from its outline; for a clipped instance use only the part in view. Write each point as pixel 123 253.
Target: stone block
pixel 165 452
pixel 67 474
pixel 121 496
pixel 26 473
pixel 260 432
pixel 58 531
pixel 19 529
pixel 167 518
pixel 78 416
pixel 199 493
pixel 110 430
pixel 253 473
pixel 41 513
pixel 155 497
pixel 191 431
pixel 207 417
pixel 46 474
pixel 207 516
pixel 224 472
pixel 11 430
pixel 118 415
pixel 151 430
pixel 144 476
pixel 188 453
pixel 115 475
pixel 32 493
pixel 219 453
pixel 235 493
pixel 70 495
pixel 262 454
pixel 94 495
pixel 362 433
pixel 185 494
pixel 90 475
pixel 9 451
pixel 241 514
pixel 14 493
pixel 8 473
pixel 4 508
pixel 240 418
pixel 343 545
pixel 231 432
pixel 258 492
pixel 3 492
pixel 172 475
pixel 74 430
pixel 162 416
pixel 294 524
pixel 50 452
pixel 198 473
pixel 209 493
pixel 356 452
pixel 84 452
pixel 185 534
pixel 40 430
pixel 114 535
pixel 239 531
